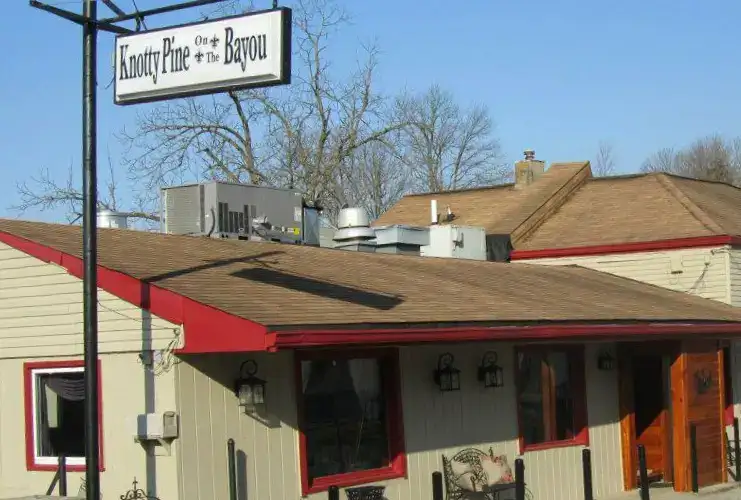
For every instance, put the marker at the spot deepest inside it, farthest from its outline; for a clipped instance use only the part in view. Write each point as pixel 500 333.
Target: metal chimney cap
pixel 529 154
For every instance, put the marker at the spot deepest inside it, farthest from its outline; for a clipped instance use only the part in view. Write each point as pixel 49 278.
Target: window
pixel 55 415
pixel 551 397
pixel 350 418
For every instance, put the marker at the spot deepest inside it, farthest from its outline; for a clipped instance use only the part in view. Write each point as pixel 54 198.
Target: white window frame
pixel 35 373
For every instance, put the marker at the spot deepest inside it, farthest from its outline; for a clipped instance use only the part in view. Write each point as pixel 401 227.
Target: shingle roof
pixel 589 211
pixel 640 208
pixel 284 285
pixel 498 209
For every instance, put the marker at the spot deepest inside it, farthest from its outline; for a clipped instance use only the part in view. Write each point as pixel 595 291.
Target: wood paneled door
pixel 646 409
pixel 700 401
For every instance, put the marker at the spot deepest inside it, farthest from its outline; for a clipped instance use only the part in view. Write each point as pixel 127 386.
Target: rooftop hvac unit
pixel 225 210
pixel 457 242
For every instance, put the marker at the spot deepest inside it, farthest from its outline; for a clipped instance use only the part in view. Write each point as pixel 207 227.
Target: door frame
pixel 626 401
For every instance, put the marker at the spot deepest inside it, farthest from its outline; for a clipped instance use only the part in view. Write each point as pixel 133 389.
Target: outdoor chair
pixel 473 474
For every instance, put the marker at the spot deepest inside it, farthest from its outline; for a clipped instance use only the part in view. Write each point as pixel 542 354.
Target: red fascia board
pixel 643 246
pixel 207 329
pixel 548 332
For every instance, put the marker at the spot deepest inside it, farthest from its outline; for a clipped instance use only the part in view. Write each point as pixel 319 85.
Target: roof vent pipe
pixel 433 211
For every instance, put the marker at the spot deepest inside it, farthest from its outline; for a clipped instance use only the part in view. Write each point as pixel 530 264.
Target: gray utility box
pixel 226 210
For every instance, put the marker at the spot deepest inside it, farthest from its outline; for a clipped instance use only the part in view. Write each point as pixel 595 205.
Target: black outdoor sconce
pixel 490 373
pixel 249 389
pixel 446 376
pixel 703 381
pixel 605 362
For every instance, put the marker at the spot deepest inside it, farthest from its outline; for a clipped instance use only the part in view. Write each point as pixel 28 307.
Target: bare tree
pixel 604 162
pixel 44 192
pixel 333 137
pixel 376 178
pixel 309 130
pixel 448 147
pixel 710 158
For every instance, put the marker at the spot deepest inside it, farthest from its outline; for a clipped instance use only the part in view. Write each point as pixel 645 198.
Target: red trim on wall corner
pixel 643 246
pixel 207 329
pixel 377 336
pixel 28 368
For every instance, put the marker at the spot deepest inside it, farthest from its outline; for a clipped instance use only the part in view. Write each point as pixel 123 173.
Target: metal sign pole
pixel 91 25
pixel 90 248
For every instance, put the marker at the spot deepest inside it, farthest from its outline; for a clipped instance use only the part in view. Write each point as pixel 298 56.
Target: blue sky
pixel 557 76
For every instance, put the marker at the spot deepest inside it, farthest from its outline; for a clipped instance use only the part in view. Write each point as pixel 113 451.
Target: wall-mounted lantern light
pixel 446 376
pixel 490 373
pixel 605 361
pixel 703 381
pixel 249 389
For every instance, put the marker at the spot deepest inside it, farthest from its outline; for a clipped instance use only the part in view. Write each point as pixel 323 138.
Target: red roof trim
pixel 642 246
pixel 207 329
pixel 309 338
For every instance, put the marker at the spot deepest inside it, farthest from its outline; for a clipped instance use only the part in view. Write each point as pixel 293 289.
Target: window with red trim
pixel 55 421
pixel 350 418
pixel 551 399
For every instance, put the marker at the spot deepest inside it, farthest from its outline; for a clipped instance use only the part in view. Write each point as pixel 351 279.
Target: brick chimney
pixel 528 170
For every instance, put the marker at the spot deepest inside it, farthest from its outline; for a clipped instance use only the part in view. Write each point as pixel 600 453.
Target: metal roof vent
pixel 111 219
pixel 353 230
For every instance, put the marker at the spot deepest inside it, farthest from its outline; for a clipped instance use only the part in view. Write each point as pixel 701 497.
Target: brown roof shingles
pixel 285 285
pixel 614 211
pixel 498 209
pixel 565 208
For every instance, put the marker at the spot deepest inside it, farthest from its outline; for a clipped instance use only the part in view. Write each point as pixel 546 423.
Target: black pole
pixel 693 458
pixel 89 249
pixel 586 462
pixel 519 479
pixel 333 493
pixel 643 473
pixel 232 463
pixel 62 475
pixel 736 450
pixel 437 486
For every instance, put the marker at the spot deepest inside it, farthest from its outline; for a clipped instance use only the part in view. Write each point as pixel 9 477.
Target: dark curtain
pixel 67 387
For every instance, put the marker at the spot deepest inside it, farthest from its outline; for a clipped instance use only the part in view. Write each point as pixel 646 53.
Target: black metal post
pixel 736 450
pixel 643 473
pixel 333 493
pixel 62 475
pixel 90 248
pixel 232 464
pixel 519 479
pixel 586 462
pixel 693 459
pixel 437 486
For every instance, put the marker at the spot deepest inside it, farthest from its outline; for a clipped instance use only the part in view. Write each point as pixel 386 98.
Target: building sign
pixel 251 50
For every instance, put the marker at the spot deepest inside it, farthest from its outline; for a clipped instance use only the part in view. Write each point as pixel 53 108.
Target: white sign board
pixel 251 50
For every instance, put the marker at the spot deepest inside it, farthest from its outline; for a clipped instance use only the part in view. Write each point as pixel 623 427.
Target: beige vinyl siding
pixel 713 273
pixel 124 396
pixel 40 321
pixel 435 423
pixel 699 271
pixel 41 313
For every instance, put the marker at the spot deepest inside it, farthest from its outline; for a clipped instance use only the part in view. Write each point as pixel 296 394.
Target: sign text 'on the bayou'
pixel 251 50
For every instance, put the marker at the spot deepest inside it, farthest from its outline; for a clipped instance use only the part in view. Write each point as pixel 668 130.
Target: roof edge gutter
pixel 295 339
pixel 643 246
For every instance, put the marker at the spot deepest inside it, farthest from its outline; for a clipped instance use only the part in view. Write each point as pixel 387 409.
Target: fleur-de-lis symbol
pixel 199 56
pixel 215 41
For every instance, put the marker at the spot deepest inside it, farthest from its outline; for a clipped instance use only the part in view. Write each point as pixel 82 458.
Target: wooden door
pixel 651 416
pixel 698 375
